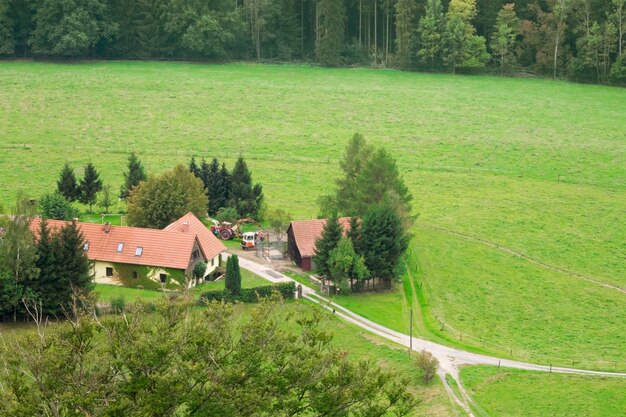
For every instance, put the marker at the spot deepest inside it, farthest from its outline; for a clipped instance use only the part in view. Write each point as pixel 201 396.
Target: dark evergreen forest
pixel 582 40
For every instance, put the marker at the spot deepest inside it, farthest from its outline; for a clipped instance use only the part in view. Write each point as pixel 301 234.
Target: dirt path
pixel 450 359
pixel 525 257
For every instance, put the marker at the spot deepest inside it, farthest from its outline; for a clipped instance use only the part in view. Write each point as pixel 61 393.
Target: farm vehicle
pixel 228 230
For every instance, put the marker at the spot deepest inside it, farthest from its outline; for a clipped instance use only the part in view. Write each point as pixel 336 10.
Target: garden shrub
pixel 251 295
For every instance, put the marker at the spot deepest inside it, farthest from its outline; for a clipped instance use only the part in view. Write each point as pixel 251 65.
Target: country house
pixel 148 258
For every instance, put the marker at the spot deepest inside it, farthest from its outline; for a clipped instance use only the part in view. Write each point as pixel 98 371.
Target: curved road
pixel 450 359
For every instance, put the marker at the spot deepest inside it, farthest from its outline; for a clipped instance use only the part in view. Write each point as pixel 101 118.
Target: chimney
pixel 107 227
pixel 186 227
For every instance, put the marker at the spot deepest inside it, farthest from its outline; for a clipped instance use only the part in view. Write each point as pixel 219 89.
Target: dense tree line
pixel 229 190
pixel 580 39
pixel 43 269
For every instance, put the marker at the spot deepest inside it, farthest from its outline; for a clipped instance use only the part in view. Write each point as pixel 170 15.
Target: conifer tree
pixel 330 31
pixel 233 275
pixel 67 184
pixel 357 153
pixel 214 188
pixel 194 168
pixel 243 196
pixel 406 13
pixel 225 187
pixel 135 174
pixel 354 233
pixel 90 186
pixel 49 286
pixel 430 29
pixel 383 241
pixel 74 267
pixel 331 234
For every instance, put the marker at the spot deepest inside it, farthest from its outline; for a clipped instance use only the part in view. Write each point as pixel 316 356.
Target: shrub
pixel 233 275
pixel 227 214
pixel 428 364
pixel 118 305
pixel 251 295
pixel 55 206
pixel 199 270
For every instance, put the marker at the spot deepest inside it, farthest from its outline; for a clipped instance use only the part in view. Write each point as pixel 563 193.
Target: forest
pixel 581 40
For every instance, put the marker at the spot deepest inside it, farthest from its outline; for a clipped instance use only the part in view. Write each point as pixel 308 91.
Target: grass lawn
pixel 516 393
pixel 534 165
pixel 109 292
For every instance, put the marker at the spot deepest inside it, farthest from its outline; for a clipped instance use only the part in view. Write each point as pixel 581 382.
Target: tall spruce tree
pixel 383 241
pixel 378 182
pixel 50 287
pixel 74 267
pixel 133 176
pixel 225 187
pixel 330 31
pixel 244 197
pixel 331 235
pixel 90 186
pixel 233 275
pixel 430 30
pixel 67 184
pixel 214 188
pixel 194 168
pixel 406 15
pixel 357 153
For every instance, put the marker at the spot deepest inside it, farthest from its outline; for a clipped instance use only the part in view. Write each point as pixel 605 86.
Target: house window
pixel 163 278
pixel 120 246
pixel 138 251
pixel 109 271
pixel 195 254
pixel 213 262
pixel 134 274
pixel 86 246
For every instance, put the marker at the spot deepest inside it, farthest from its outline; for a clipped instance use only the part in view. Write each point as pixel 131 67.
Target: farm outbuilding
pixel 301 237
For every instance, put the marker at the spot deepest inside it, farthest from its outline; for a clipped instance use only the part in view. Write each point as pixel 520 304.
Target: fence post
pixel 550 368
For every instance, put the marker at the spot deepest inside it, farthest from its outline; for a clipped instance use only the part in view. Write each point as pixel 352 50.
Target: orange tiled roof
pixel 210 245
pixel 306 232
pixel 160 248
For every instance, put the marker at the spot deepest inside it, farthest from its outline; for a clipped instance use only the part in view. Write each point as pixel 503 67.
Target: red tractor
pixel 223 230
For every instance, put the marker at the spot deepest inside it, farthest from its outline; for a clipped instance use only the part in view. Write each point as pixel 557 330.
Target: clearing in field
pixel 498 167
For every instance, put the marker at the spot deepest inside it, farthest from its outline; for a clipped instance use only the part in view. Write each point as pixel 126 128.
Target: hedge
pixel 252 295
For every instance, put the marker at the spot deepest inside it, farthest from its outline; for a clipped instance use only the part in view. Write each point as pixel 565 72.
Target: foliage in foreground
pixel 177 360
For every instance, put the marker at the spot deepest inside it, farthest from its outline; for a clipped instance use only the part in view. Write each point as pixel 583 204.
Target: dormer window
pixel 138 251
pixel 120 247
pixel 86 246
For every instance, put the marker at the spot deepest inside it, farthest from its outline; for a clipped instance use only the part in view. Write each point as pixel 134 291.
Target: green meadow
pixel 516 393
pixel 498 167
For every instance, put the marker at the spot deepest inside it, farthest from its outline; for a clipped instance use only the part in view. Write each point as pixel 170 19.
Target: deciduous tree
pixel 55 206
pixel 105 201
pixel 7 40
pixel 70 27
pixel 162 199
pixel 346 266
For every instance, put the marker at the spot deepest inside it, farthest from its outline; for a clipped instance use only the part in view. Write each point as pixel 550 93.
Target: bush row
pixel 251 295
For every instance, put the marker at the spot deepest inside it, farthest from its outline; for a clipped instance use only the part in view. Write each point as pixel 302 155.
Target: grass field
pixel 532 165
pixel 514 393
